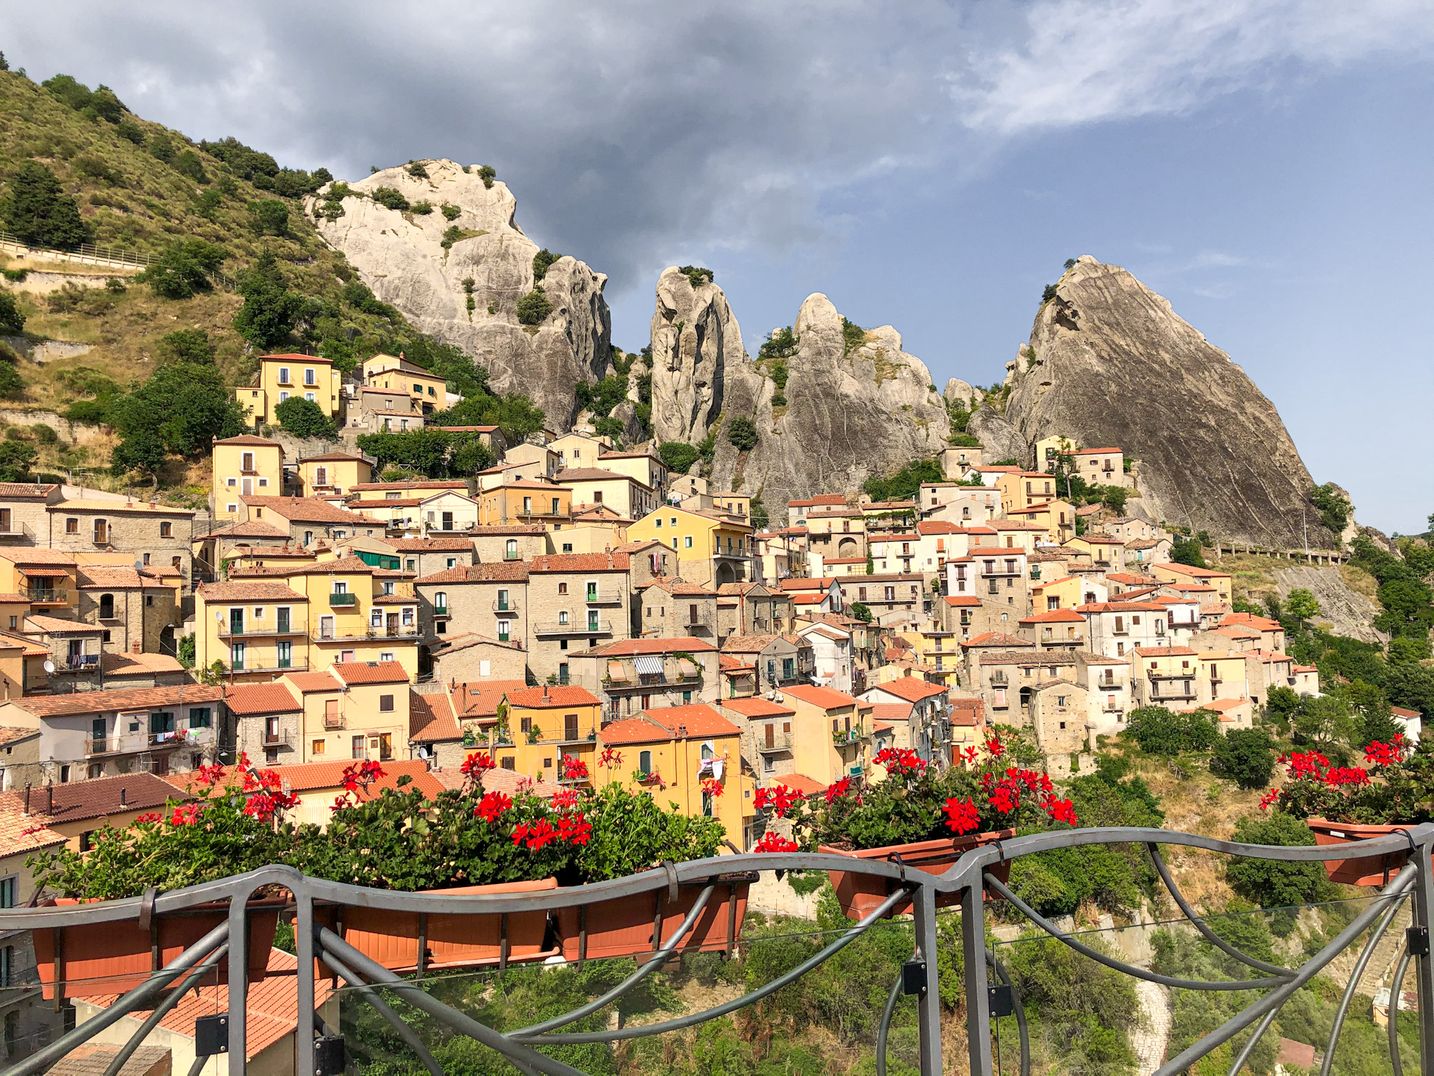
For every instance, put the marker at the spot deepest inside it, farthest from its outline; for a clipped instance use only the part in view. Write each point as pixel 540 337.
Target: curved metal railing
pixel 969 879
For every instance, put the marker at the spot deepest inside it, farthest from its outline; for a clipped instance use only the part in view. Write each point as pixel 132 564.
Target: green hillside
pixel 142 187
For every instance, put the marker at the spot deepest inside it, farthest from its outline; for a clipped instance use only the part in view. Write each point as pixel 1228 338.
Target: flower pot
pixel 861 894
pixel 1365 870
pixel 114 957
pixel 408 941
pixel 637 926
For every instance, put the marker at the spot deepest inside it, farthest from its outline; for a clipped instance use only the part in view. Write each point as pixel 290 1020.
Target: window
pixel 385 704
pixel 310 397
pixel 7 966
pixel 562 588
pixel 687 542
pixel 200 717
pixel 316 747
pixel 644 762
pixel 10 891
pixel 310 377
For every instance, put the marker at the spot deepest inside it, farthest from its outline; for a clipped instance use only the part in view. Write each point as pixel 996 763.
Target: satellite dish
pixel 49 666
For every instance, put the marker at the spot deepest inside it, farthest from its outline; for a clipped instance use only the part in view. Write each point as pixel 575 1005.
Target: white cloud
pixel 1086 61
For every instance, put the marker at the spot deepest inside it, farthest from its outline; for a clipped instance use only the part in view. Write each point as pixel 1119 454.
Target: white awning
pixel 648 664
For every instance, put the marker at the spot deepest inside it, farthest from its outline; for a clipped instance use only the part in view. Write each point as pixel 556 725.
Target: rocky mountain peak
pixel 695 339
pixel 440 241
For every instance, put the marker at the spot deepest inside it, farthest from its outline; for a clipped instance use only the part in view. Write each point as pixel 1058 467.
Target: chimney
pixel 49 799
pixel 136 648
pixel 545 692
pixel 27 799
pixel 124 796
pixel 682 732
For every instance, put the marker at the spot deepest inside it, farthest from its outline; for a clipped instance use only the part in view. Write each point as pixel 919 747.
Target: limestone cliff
pixel 458 270
pixel 830 412
pixel 1109 362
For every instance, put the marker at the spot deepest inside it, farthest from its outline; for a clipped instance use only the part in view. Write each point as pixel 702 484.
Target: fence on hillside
pixel 84 254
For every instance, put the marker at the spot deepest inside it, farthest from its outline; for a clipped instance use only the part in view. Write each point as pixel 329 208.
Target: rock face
pixel 847 410
pixel 695 340
pixel 401 256
pixel 1113 364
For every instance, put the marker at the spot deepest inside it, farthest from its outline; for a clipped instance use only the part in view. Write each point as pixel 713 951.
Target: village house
pixel 332 474
pixel 671 607
pixel 152 534
pixel 525 500
pixel 427 390
pixel 895 600
pixel 831 738
pixel 24 515
pixel 1055 629
pixel 779 660
pixel 752 609
pixel 630 675
pixel 243 466
pixel 832 664
pixel 710 548
pixel 621 493
pixel 307 520
pixel 545 726
pixel 281 376
pixel 1118 628
pixel 485 599
pixel 378 410
pixel 1169 572
pixel 640 465
pixel 575 601
pixel 928 721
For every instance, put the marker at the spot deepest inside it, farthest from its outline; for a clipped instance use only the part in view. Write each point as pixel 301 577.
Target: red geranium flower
pixel 574 768
pixel 474 765
pixel 962 815
pixel 838 789
pixel 491 806
pixel 772 841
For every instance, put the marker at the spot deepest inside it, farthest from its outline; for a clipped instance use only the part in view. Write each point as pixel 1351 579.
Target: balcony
pixel 241 632
pixel 77 663
pixel 342 600
pixel 334 635
pixel 603 597
pixel 279 668
pixel 845 737
pixel 440 610
pixel 650 681
pixel 15 531
pixel 46 595
pixel 777 743
pixel 505 608
pixel 275 738
pixel 584 627
pixel 334 722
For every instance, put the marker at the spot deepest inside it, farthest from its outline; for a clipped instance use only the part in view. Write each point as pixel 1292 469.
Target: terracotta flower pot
pixel 637 926
pixel 861 894
pixel 1365 870
pixel 115 957
pixel 449 940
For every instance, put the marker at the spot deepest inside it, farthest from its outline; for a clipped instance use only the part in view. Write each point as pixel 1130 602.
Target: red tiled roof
pixel 129 698
pixel 799 782
pixel 628 647
pixel 1054 616
pixel 579 562
pixel 552 696
pixel 80 801
pixel 250 590
pixel 825 698
pixel 431 719
pixel 892 711
pixel 965 600
pixel 479 699
pixel 307 510
pixel 370 672
pixel 1164 651
pixel 756 707
pixel 997 638
pixel 698 719
pixel 270 698
pixel 910 689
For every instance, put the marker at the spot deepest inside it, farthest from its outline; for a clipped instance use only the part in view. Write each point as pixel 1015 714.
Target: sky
pixel 1268 167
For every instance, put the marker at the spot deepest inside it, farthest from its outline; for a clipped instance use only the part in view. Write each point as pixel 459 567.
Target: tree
pixel 677 456
pixel 304 418
pixel 187 345
pixel 1114 498
pixel 1302 605
pixel 1270 883
pixel 1245 756
pixel 1186 550
pixel 1159 731
pixel 269 216
pixel 742 433
pixel 187 163
pixel 905 483
pixel 760 519
pixel 12 318
pixel 270 309
pixel 12 385
pixel 179 410
pixel 423 451
pixel 16 460
pixel 183 268
pixel 1332 505
pixel 38 211
pixel 534 307
pixel 860 611
pixel 541 261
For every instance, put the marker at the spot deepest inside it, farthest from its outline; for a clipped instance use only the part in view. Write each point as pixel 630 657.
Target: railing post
pixel 238 980
pixel 304 949
pixel 1423 920
pixel 978 1004
pixel 928 1002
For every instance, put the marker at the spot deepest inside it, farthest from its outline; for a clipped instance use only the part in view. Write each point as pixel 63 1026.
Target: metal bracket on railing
pixel 671 869
pixel 146 907
pixel 1418 938
pixel 211 1034
pixel 1000 1000
pixel 913 977
pixel 329 1055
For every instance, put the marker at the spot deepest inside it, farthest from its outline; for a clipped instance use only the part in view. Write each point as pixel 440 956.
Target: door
pixel 391 624
pixel 246 487
pixel 771 736
pixel 286 654
pixel 238 650
pixel 326 627
pixel 281 622
pixel 236 621
pixel 448 521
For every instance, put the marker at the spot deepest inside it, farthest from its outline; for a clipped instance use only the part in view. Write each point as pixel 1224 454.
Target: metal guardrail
pixel 115 255
pixel 969 879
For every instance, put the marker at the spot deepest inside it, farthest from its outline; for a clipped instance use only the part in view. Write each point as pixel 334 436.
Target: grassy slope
pixel 133 200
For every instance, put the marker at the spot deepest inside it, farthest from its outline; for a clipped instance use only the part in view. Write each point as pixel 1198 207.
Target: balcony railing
pixel 247 667
pixel 603 597
pixel 230 632
pixel 505 608
pixel 78 663
pixel 46 596
pixel 334 721
pixel 579 627
pixel 334 635
pixel 15 530
pixel 979 989
pixel 342 600
pixel 440 610
pixel 278 738
pixel 777 743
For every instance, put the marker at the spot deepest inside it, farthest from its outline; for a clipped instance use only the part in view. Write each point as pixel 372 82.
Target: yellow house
pixel 357 709
pixel 1021 489
pixel 538 727
pixel 597 487
pixel 938 650
pixel 258 628
pixel 1185 573
pixel 712 547
pixel 333 474
pixel 830 737
pixel 1062 593
pixel 1165 676
pixel 688 755
pixel 244 466
pixel 1055 515
pixel 525 501
pixel 281 376
pixel 1048 448
pixel 396 374
pixel 1104 550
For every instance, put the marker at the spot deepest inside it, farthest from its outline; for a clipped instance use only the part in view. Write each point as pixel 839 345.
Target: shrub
pixel 541 261
pixel 677 456
pixel 1332 505
pixel 38 211
pixel 416 170
pixel 304 418
pixel 44 434
pixel 449 211
pixel 183 268
pixel 534 307
pixel 487 174
pixel 853 336
pixel 1159 731
pixel 188 345
pixel 161 146
pixel 697 275
pixel 421 209
pixel 270 310
pixel 1114 498
pixel 12 318
pixel 861 611
pixel 390 198
pixel 1271 883
pixel 1187 550
pixel 742 433
pixel 780 345
pixel 11 385
pixel 1048 293
pixel 453 234
pixel 187 163
pixel 269 216
pixel 130 132
pixel 16 461
pixel 1245 756
pixel 905 483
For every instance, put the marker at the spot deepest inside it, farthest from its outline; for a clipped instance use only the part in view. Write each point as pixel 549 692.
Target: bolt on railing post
pixel 978 1002
pixel 1423 920
pixel 928 1002
pixel 304 950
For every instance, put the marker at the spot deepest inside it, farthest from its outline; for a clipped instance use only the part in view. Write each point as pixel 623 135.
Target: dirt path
pixel 1149 1041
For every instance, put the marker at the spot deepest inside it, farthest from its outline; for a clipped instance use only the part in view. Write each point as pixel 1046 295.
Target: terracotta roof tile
pixel 756 707
pixel 130 698
pixel 553 696
pixel 270 698
pixel 97 797
pixel 825 698
pixel 370 672
pixel 250 591
pixel 910 688
pixel 431 719
pixel 630 647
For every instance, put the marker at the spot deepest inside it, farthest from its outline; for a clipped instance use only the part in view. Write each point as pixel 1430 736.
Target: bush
pixel 534 307
pixel 541 261
pixel 187 345
pixel 269 216
pixel 697 275
pixel 905 483
pixel 416 170
pixel 187 163
pixel 853 336
pixel 487 174
pixel 270 310
pixel 38 211
pixel 16 461
pixel 742 433
pixel 12 386
pixel 304 418
pixel 421 209
pixel 1187 550
pixel 12 318
pixel 1270 883
pixel 390 197
pixel 1159 731
pixel 179 410
pixel 183 268
pixel 677 456
pixel 781 344
pixel 1114 498
pixel 1332 505
pixel 449 211
pixel 161 147
pixel 1245 756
